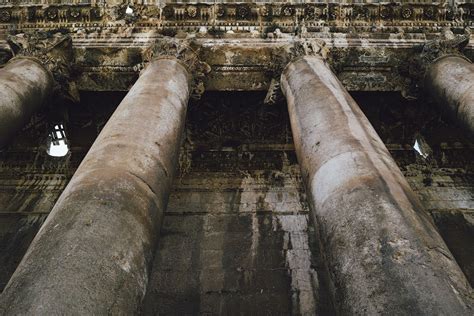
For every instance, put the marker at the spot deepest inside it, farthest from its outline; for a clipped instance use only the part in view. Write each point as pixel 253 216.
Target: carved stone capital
pixel 448 44
pixel 301 47
pixel 187 53
pixel 281 57
pixel 54 52
pixel 308 47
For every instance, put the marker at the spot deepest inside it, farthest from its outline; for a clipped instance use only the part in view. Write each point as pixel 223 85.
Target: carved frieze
pixel 132 25
pixel 195 15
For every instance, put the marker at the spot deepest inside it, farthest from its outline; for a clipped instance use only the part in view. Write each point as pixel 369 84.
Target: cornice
pixel 220 17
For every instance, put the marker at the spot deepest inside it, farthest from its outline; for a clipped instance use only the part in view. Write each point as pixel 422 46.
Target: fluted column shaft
pixel 383 252
pixel 450 81
pixel 92 256
pixel 25 84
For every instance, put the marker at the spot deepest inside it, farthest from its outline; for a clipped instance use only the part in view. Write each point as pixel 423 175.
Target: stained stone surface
pixel 237 235
pixel 101 233
pixel 382 248
pixel 230 139
pixel 450 82
pixel 236 241
pixel 444 181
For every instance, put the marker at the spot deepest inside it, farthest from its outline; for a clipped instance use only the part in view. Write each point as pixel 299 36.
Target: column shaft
pixel 25 85
pixel 383 252
pixel 450 81
pixel 92 256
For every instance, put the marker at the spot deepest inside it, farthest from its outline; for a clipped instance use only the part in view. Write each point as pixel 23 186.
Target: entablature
pixel 246 64
pixel 368 41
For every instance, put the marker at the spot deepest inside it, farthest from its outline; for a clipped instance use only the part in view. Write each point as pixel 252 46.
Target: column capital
pixel 297 49
pixel 187 53
pixel 307 47
pixel 54 52
pixel 284 55
pixel 447 44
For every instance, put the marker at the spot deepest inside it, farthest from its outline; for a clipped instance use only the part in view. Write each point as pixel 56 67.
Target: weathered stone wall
pixel 237 241
pixel 31 181
pixel 237 233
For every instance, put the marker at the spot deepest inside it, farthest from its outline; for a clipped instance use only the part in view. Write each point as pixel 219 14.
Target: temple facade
pixel 236 158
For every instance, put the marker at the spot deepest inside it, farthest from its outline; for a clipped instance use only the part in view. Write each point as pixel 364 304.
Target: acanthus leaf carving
pixel 54 52
pixel 286 54
pixel 187 52
pixel 447 44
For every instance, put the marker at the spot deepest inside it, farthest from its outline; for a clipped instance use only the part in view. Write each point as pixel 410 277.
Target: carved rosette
pixel 54 52
pixel 178 13
pixel 282 57
pixel 447 44
pixel 188 55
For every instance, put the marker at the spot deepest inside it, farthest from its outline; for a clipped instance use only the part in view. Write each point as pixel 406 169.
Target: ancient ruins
pixel 236 158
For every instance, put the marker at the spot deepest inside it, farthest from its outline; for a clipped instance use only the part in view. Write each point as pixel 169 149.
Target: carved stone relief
pixel 55 52
pixel 187 53
pixel 287 15
pixel 447 44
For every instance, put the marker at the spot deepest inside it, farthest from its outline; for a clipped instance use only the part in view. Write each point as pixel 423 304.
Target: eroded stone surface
pixel 370 40
pixel 449 82
pixel 236 234
pixel 374 231
pixel 31 181
pixel 25 86
pixel 101 232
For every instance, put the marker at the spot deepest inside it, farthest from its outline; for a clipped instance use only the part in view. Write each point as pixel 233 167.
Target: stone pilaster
pixel 93 254
pixel 382 249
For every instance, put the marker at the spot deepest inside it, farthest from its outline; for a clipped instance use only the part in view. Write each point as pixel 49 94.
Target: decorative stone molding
pixel 237 15
pixel 447 44
pixel 187 53
pixel 54 52
pixel 282 57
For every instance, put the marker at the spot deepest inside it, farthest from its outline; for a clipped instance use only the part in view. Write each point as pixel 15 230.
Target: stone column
pixel 450 82
pixel 92 256
pixel 383 252
pixel 25 85
pixel 39 68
